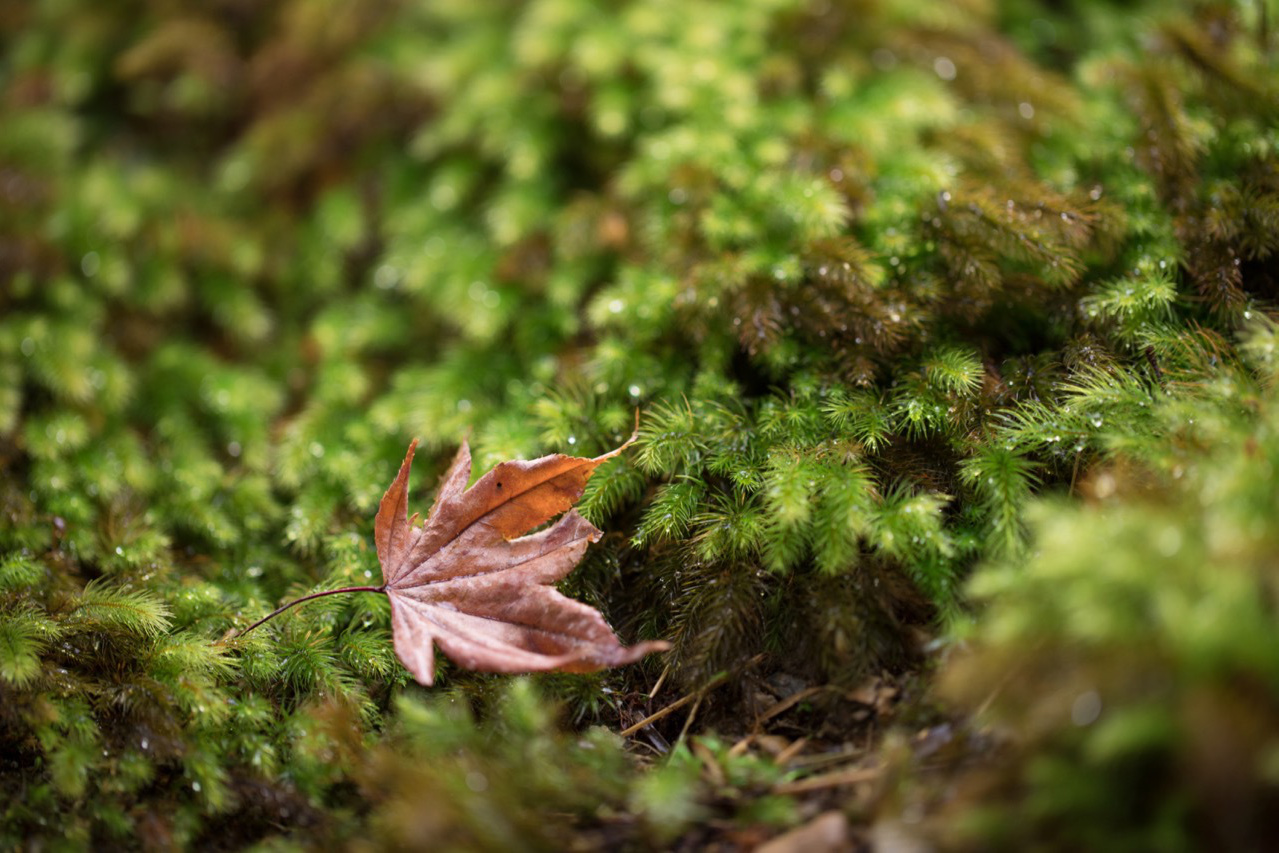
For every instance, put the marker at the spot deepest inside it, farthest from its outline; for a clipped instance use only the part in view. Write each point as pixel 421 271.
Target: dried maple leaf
pixel 463 581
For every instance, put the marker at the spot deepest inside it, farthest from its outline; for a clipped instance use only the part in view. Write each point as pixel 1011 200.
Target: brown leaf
pixel 463 581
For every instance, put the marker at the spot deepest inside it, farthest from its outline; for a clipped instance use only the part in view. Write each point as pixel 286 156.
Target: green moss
pixel 1132 657
pixel 881 277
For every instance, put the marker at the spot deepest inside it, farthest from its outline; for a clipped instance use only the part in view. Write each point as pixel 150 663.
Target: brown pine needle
pixel 660 680
pixel 680 703
pixel 654 717
pixel 691 715
pixel 783 758
pixel 829 780
pixel 788 703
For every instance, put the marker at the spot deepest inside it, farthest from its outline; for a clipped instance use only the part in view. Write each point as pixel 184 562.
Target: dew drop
pixel 1086 708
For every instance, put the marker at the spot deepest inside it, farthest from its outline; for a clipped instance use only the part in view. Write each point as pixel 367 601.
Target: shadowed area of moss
pixel 907 293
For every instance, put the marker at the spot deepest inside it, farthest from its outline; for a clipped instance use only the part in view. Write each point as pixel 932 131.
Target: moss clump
pixel 1132 660
pixel 876 273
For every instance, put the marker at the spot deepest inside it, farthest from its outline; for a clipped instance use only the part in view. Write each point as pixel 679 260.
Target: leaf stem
pixel 284 607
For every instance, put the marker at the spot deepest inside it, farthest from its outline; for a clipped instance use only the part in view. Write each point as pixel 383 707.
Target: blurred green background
pixel 907 292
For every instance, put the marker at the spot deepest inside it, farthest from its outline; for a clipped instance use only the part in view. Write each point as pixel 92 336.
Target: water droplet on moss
pixel 1086 708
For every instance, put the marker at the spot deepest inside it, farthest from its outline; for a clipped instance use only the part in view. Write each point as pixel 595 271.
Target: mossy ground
pixel 950 324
